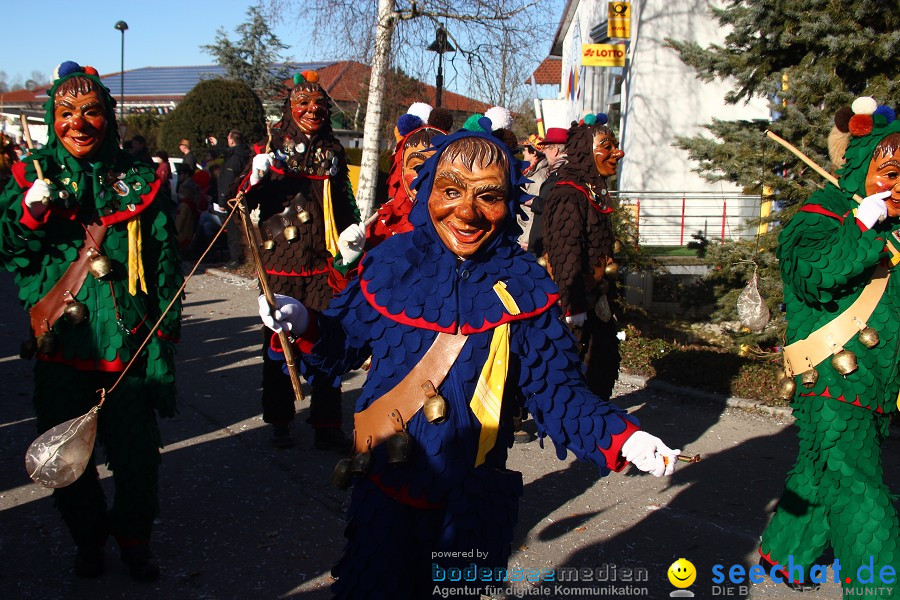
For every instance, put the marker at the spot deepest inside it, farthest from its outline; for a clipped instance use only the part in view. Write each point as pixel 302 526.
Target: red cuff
pixel 613 454
pixel 862 226
pixel 28 220
pixel 305 342
pixel 166 337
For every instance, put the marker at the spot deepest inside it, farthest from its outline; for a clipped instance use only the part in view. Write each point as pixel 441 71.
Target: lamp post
pixel 122 26
pixel 440 45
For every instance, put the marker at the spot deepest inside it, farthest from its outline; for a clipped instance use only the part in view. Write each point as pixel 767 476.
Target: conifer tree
pixel 252 58
pixel 808 58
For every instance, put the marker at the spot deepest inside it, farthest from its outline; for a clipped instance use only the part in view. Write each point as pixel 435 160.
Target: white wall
pixel 662 97
pixel 665 99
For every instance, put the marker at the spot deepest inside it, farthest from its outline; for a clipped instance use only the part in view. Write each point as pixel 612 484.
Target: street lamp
pixel 122 26
pixel 440 45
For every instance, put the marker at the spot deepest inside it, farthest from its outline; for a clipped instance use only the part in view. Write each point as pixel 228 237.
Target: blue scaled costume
pixel 454 493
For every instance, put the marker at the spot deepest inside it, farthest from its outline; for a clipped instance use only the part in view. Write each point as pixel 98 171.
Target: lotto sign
pixel 619 24
pixel 603 55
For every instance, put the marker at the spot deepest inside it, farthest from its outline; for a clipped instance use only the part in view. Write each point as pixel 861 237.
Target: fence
pixel 671 218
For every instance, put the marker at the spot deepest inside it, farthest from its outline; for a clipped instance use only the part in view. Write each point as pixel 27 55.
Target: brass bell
pixel 303 216
pixel 46 344
pixel 291 233
pixel 340 477
pixel 809 378
pixel 868 337
pixel 435 409
pixel 542 261
pixel 100 266
pixel 361 463
pixel 786 388
pixel 75 313
pixel 844 362
pixel 398 448
pixel 611 270
pixel 269 245
pixel 27 349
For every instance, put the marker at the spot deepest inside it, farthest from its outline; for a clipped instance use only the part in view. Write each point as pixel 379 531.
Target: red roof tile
pixel 549 71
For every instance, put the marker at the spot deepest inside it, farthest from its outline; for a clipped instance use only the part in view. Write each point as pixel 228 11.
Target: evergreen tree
pixel 212 108
pixel 808 58
pixel 253 56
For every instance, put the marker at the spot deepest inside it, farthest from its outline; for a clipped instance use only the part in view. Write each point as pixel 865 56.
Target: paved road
pixel 242 520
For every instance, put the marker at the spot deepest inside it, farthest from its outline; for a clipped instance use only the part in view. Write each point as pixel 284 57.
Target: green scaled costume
pixel 835 495
pixel 90 355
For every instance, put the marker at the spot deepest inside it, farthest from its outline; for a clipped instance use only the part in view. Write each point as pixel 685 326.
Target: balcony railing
pixel 671 218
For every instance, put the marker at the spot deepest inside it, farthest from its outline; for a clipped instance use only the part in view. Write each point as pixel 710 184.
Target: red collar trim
pixel 300 273
pixel 402 318
pixel 126 215
pixel 508 318
pixel 589 196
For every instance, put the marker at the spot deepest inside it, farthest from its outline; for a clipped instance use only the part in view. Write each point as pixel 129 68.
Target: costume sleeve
pixel 822 255
pixel 337 339
pixel 166 272
pixel 556 394
pixel 566 245
pixel 21 235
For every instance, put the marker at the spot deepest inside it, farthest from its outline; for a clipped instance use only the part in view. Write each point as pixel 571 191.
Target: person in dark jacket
pixel 236 157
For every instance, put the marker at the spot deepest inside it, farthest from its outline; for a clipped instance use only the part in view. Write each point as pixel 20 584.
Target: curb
pixel 780 412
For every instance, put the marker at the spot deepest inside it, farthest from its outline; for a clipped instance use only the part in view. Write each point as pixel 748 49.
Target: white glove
pixel 646 452
pixel 289 315
pixel 259 168
pixel 351 242
pixel 872 209
pixel 37 197
pixel 576 320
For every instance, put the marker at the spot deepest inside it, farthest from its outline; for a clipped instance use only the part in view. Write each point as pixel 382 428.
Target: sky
pixel 161 32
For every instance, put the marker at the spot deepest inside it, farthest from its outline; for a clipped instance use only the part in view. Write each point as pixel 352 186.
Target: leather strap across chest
pixel 390 412
pixel 50 308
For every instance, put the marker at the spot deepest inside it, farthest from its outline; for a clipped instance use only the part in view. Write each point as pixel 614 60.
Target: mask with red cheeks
pixel 80 123
pixel 468 206
pixel 309 110
pixel 606 153
pixel 884 175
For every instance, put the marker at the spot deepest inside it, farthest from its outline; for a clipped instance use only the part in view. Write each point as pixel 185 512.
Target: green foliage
pixel 147 125
pixel 214 107
pixel 251 58
pixel 699 245
pixel 808 58
pixel 706 368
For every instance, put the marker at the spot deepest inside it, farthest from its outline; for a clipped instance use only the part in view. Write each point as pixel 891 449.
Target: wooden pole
pixel 30 143
pixel 828 176
pixel 254 242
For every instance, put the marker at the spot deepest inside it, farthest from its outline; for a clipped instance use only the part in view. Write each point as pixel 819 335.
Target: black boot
pixel 332 438
pixel 141 563
pixel 90 561
pixel 281 436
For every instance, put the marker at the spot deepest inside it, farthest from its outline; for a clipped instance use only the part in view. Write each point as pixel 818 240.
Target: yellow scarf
pixel 135 264
pixel 488 397
pixel 331 232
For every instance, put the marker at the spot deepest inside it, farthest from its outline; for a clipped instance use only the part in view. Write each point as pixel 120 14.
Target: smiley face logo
pixel 682 573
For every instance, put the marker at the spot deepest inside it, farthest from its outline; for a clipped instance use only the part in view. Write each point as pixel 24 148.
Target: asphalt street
pixel 240 519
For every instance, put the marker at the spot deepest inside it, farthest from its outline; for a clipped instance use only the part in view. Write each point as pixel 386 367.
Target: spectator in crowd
pixel 554 149
pixel 537 171
pixel 236 158
pixel 188 157
pixel 138 149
